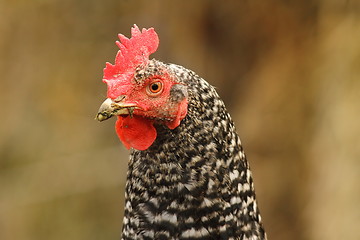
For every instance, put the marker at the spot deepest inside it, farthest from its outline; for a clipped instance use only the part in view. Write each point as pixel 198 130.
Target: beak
pixel 112 107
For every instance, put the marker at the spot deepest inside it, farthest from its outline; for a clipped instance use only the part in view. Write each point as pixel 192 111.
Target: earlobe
pixel 180 115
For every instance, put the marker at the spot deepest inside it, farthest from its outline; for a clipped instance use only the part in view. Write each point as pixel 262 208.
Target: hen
pixel 188 177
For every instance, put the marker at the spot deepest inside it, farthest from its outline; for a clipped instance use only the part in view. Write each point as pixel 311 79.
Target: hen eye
pixel 154 88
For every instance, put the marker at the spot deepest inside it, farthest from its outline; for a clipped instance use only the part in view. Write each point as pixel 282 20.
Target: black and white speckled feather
pixel 194 181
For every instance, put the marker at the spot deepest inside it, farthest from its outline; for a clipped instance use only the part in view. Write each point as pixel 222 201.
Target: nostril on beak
pixel 119 98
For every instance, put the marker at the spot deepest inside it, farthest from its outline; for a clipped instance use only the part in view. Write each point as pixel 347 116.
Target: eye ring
pixel 154 88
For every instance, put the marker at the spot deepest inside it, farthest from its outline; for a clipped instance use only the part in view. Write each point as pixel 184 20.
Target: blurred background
pixel 288 71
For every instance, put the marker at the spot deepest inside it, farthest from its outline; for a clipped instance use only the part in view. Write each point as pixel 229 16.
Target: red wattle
pixel 135 132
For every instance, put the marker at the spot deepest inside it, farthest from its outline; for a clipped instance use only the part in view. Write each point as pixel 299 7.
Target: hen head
pixel 141 92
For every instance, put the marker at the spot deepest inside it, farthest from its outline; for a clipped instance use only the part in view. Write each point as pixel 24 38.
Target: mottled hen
pixel 188 177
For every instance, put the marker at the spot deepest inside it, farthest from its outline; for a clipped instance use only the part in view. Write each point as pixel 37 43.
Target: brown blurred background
pixel 289 72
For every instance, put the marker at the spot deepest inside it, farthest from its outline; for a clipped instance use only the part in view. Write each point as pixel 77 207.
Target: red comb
pixel 133 52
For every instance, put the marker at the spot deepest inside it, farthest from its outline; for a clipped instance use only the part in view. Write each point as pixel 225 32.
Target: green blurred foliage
pixel 289 72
